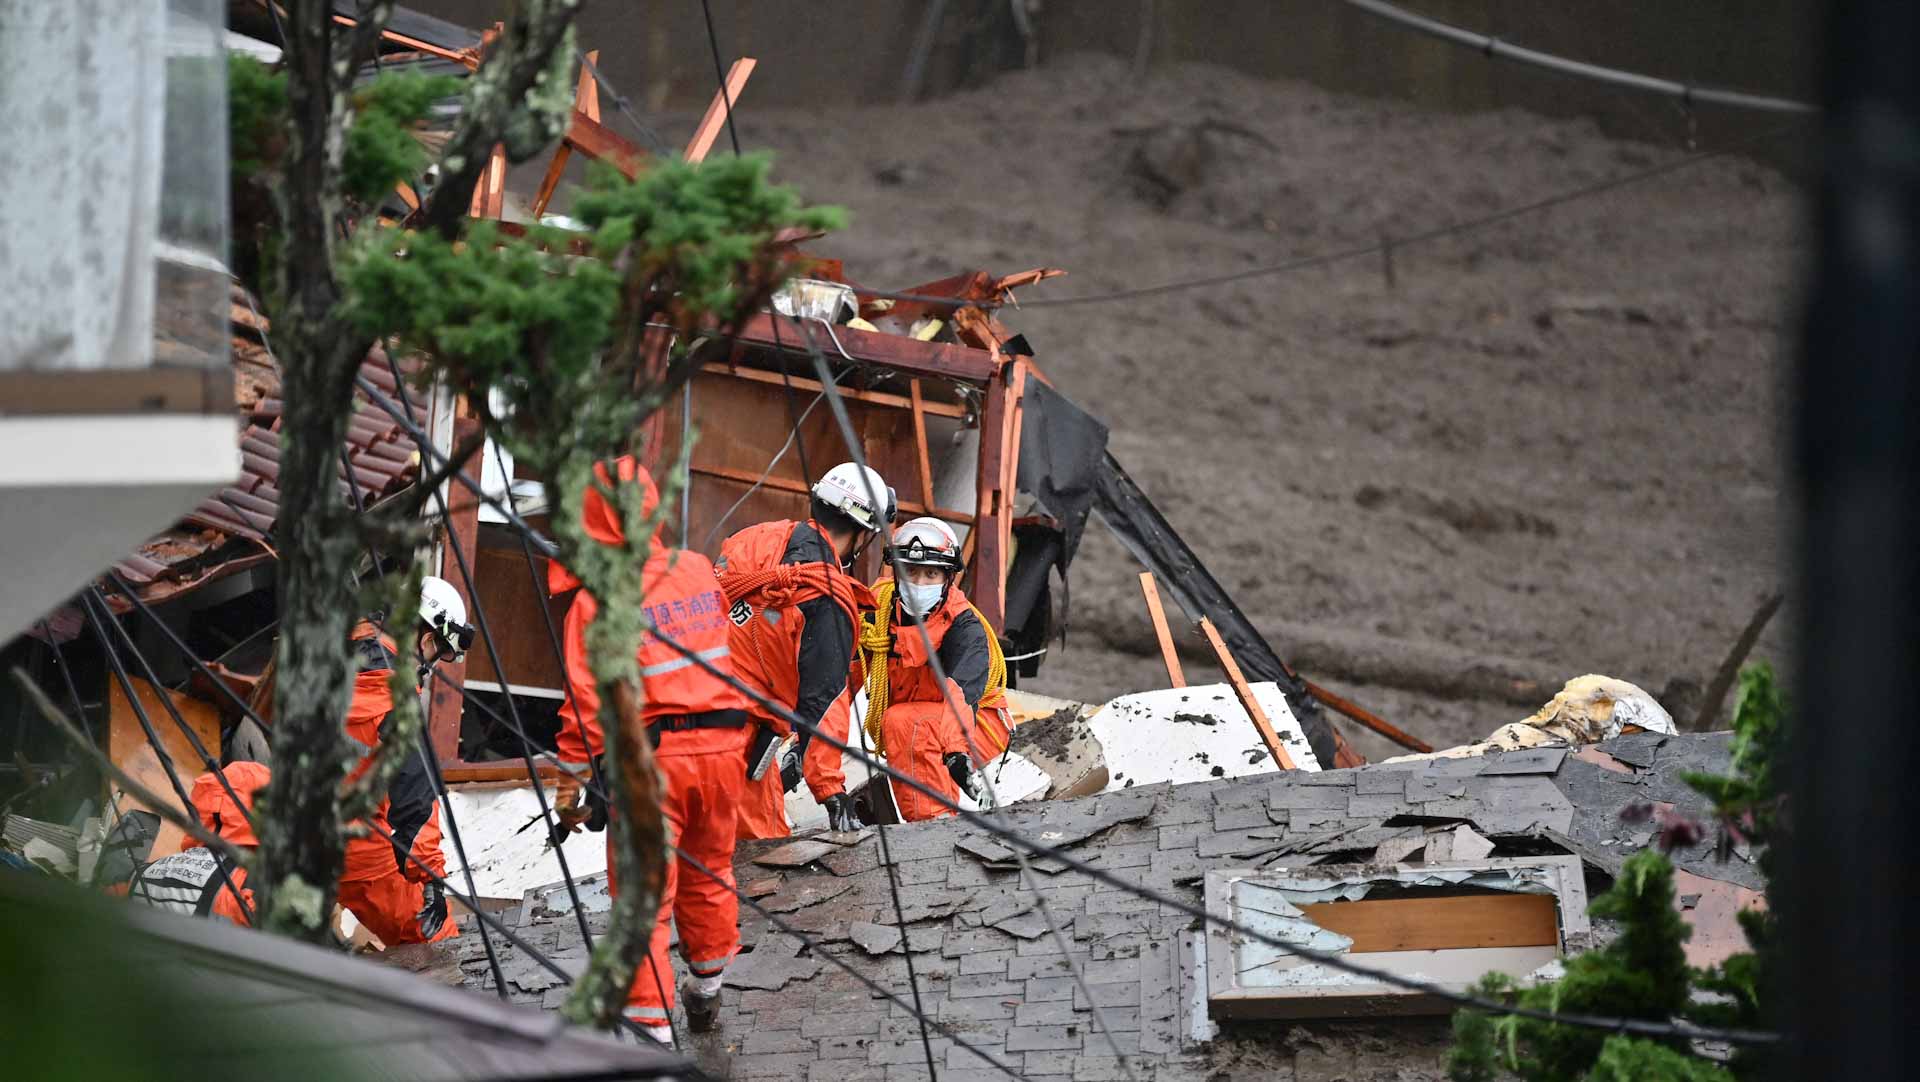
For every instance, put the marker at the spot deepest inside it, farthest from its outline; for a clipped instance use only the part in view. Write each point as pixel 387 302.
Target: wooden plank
pixel 461 773
pixel 1245 694
pixel 812 386
pixel 923 462
pixel 1151 591
pixel 1441 923
pixel 586 102
pixel 513 614
pixel 940 360
pixel 1367 718
pixel 724 101
pixel 601 143
pixel 787 484
pixel 444 705
pixel 129 749
pixel 1010 458
pixel 989 582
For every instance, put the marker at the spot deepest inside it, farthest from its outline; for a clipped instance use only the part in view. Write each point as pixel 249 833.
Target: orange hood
pixel 217 811
pixel 601 519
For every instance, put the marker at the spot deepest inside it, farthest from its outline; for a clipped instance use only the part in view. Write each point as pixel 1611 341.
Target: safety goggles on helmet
pixel 925 542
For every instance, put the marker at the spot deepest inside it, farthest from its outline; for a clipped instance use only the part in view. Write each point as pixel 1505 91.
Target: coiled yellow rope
pixel 876 642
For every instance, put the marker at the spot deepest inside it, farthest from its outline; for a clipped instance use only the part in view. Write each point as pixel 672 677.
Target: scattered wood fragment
pixel 1245 694
pixel 1349 709
pixel 1151 591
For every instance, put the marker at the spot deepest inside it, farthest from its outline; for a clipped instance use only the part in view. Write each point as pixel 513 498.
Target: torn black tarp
pixel 1152 540
pixel 1061 446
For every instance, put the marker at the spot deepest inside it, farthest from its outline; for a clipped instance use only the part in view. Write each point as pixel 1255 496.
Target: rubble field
pixel 1441 482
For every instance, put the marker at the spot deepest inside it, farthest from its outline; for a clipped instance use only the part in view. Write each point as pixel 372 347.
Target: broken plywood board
pixel 1193 734
pixel 509 846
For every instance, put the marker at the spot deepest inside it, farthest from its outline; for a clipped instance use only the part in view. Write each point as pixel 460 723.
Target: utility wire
pixel 720 77
pixel 808 943
pixel 1494 48
pixel 547 815
pixel 852 439
pixel 487 920
pixel 1635 1026
pixel 620 102
pixel 1436 233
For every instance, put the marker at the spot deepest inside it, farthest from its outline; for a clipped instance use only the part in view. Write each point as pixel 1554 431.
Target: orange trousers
pixel 701 800
pixel 763 805
pixel 390 906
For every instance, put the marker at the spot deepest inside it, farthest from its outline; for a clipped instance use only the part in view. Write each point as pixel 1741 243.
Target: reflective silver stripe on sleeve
pixel 714 654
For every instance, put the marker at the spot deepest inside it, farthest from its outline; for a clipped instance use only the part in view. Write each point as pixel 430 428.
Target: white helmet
pixel 844 489
pixel 926 542
pixel 442 609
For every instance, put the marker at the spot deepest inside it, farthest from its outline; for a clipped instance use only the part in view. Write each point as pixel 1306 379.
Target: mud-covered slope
pixel 1516 455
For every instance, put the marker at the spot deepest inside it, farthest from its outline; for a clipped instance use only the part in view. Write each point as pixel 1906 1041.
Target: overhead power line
pixel 1436 233
pixel 1495 48
pixel 1635 1026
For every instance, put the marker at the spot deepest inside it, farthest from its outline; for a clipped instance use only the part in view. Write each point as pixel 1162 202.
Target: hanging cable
pixel 547 815
pixel 1436 233
pixel 153 737
pixel 1494 48
pixel 1635 1026
pixel 812 946
pixel 647 135
pixel 726 98
pixel 847 433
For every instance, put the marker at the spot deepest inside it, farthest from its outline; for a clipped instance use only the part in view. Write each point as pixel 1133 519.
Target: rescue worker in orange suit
pixel 932 731
pixel 192 881
pixel 394 896
pixel 699 727
pixel 794 609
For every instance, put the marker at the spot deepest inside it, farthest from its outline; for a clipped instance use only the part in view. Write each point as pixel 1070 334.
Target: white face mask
pixel 920 600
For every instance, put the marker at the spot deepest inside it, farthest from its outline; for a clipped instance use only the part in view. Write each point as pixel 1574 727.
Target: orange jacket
pixel 910 680
pixel 408 810
pixel 768 625
pixel 190 881
pixel 682 600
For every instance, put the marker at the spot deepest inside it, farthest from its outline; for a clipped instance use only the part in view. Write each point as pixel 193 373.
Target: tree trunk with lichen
pixel 302 846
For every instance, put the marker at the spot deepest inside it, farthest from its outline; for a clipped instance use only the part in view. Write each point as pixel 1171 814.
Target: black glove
pixel 959 767
pixel 433 909
pixel 790 770
pixel 840 815
pixel 596 808
pixel 970 781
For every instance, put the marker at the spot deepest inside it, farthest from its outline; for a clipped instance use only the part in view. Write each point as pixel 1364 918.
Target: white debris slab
pixel 508 845
pixel 1193 734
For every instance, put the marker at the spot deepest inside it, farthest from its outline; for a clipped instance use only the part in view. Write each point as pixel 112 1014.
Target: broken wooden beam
pixel 719 111
pixel 1349 709
pixel 1176 676
pixel 1244 692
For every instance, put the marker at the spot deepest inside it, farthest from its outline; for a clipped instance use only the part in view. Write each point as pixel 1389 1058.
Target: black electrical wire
pixel 720 76
pixel 1495 48
pixel 852 439
pixel 547 815
pixel 593 765
pixel 1436 233
pixel 469 900
pixel 811 945
pixel 620 102
pixel 1638 1027
pixel 153 738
